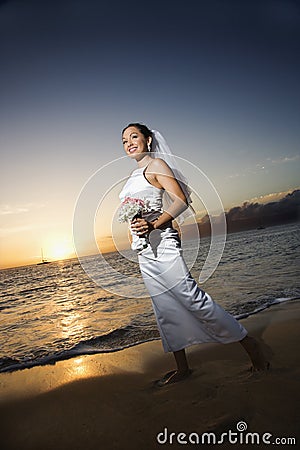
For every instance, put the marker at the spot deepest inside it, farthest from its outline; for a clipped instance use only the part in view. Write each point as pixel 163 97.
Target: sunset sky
pixel 218 78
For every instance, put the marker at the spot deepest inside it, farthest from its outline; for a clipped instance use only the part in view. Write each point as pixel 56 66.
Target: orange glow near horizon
pixel 57 248
pixel 19 251
pixel 21 246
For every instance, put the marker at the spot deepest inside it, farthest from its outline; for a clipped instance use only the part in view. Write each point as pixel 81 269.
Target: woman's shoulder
pixel 158 164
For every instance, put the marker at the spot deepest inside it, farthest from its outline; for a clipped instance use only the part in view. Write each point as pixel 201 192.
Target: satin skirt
pixel 185 314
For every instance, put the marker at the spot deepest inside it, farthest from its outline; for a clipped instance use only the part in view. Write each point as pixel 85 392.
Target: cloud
pixel 235 175
pixel 285 159
pixel 11 230
pixel 255 215
pixel 251 215
pixel 264 165
pixel 6 209
pixel 273 197
pixel 249 171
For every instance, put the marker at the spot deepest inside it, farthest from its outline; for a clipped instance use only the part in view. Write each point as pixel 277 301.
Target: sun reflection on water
pixel 71 324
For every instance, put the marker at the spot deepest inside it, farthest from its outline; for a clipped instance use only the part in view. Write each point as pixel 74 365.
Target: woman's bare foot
pixel 173 377
pixel 253 349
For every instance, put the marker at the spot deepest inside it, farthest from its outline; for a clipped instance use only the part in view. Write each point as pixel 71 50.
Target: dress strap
pixel 144 175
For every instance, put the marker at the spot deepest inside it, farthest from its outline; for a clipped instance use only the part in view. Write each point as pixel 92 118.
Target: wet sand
pixel 108 401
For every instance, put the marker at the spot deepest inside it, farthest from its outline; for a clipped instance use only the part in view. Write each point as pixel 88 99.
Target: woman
pixel 185 314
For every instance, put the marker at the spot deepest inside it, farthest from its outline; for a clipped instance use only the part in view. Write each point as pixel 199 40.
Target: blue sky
pixel 220 79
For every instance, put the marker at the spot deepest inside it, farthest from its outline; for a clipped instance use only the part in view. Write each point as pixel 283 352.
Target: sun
pixel 59 248
pixel 60 251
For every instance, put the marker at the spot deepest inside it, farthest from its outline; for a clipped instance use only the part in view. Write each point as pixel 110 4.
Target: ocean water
pixel 55 311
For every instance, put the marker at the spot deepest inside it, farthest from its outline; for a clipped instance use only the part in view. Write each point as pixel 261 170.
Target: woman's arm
pixel 160 175
pixel 164 178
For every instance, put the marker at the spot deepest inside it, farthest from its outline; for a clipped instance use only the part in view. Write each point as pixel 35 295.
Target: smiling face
pixel 135 143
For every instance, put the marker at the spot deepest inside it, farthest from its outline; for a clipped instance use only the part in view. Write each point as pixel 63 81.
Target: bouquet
pixel 130 209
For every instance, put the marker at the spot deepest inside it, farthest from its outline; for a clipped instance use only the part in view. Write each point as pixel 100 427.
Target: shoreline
pixel 70 354
pixel 108 400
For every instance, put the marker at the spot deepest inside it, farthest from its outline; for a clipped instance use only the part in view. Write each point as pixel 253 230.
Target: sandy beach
pixel 108 401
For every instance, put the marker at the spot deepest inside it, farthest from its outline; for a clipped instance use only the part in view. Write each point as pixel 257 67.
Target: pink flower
pixel 130 207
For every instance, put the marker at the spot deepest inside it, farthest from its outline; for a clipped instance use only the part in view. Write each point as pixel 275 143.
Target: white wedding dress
pixel 185 314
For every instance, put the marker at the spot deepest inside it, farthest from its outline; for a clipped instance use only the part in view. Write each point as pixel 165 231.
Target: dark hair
pixel 142 128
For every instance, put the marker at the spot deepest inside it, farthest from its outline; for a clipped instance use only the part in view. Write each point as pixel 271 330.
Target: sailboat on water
pixel 43 260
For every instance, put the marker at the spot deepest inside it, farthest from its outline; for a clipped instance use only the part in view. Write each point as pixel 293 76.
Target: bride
pixel 185 314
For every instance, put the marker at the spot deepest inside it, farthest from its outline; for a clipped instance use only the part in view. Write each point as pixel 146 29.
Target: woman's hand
pixel 141 227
